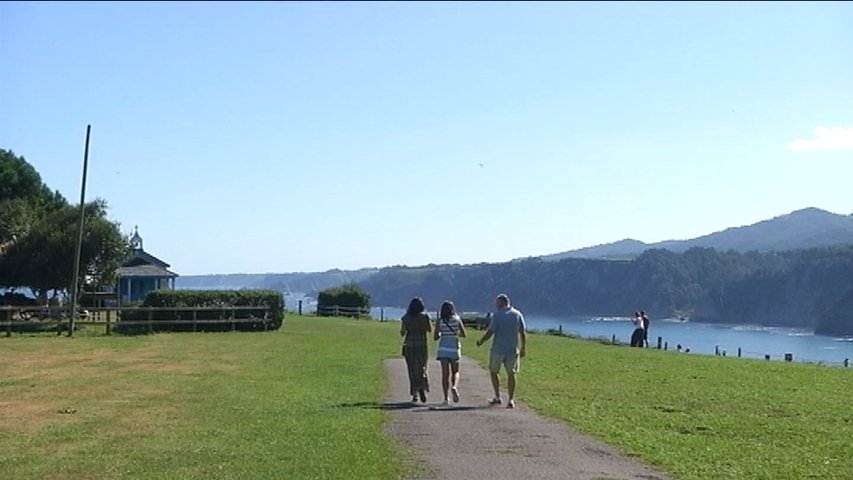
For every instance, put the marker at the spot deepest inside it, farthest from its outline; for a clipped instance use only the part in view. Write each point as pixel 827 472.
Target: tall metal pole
pixel 74 281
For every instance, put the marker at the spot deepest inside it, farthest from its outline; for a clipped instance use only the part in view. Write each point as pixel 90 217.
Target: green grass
pixel 296 403
pixel 698 417
pixel 302 403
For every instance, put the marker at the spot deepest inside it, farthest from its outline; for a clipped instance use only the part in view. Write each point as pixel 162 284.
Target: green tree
pixel 43 259
pixel 24 198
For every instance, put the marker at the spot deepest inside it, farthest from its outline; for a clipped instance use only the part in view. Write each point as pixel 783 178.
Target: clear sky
pixel 281 137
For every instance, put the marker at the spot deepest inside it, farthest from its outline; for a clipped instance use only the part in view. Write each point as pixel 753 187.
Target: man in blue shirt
pixel 507 327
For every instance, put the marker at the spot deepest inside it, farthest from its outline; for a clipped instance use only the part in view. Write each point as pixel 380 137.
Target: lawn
pixel 293 404
pixel 302 403
pixel 698 417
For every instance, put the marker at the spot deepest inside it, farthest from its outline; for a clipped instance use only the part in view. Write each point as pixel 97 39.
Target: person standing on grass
pixel 637 334
pixel 448 330
pixel 415 325
pixel 507 327
pixel 646 323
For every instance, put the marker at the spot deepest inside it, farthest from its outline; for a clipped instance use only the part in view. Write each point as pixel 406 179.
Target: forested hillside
pixel 794 288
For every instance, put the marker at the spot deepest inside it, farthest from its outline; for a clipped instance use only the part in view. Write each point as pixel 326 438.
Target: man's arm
pixel 523 335
pixel 487 336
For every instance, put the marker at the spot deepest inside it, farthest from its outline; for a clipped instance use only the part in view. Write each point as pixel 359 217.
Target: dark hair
pixel 416 306
pixel 447 310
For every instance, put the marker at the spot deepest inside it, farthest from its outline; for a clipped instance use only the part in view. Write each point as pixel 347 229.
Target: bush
pixel 218 306
pixel 350 300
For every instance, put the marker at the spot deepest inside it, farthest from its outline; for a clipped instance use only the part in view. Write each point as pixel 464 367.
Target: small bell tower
pixel 136 240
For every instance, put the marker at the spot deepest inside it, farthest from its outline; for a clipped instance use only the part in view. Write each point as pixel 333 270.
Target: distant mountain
pixel 801 229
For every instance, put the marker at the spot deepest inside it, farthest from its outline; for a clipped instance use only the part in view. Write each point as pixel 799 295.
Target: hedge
pixel 220 302
pixel 349 296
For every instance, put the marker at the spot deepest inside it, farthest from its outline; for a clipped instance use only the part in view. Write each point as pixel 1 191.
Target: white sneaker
pixel 510 404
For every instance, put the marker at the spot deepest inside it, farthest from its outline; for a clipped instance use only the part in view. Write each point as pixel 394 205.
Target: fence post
pixel 716 350
pixel 9 324
pixel 150 320
pixel 767 357
pixel 613 340
pixel 789 357
pixel 738 352
pixel 107 314
pixel 195 320
pixel 846 362
pixel 233 320
pixel 382 314
pixel 660 339
pixel 300 307
pixel 336 310
pixel 665 346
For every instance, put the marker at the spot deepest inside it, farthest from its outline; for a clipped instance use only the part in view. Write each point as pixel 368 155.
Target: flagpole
pixel 75 277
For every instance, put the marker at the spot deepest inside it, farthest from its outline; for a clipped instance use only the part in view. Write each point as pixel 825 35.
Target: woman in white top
pixel 448 330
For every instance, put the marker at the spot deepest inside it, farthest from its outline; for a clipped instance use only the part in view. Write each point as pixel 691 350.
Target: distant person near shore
pixel 639 332
pixel 507 327
pixel 448 330
pixel 415 325
pixel 645 328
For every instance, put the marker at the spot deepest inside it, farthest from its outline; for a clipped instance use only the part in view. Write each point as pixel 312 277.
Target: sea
pixel 748 341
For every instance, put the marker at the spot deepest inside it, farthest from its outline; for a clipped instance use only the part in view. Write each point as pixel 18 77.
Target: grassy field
pixel 302 403
pixel 698 417
pixel 293 404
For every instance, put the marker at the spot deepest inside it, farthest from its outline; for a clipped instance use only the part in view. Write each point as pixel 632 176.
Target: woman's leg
pixel 423 377
pixel 445 378
pixel 414 377
pixel 454 380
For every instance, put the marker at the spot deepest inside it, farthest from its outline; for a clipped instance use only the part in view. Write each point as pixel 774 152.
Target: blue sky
pixel 280 137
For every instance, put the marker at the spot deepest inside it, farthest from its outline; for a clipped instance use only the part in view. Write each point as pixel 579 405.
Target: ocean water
pixel 754 341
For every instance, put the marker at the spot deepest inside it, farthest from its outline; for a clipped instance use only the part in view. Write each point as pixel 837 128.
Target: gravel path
pixel 474 440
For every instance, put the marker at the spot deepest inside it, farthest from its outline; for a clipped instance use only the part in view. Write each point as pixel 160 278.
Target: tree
pixel 24 198
pixel 43 259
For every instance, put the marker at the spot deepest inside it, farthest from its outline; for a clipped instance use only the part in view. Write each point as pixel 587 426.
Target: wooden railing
pixel 340 311
pixel 33 319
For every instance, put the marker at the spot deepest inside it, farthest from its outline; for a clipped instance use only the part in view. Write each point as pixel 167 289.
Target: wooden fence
pixel 340 311
pixel 40 319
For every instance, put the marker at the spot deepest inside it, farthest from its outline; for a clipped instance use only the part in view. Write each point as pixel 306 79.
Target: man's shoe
pixel 495 401
pixel 423 396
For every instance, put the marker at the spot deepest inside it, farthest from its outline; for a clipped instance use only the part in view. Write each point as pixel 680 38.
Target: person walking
pixel 448 330
pixel 415 325
pixel 508 329
pixel 646 322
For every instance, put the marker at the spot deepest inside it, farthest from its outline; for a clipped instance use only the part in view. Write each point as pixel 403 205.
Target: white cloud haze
pixel 826 139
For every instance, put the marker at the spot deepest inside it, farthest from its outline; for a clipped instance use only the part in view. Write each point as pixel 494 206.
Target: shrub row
pixel 349 298
pixel 219 303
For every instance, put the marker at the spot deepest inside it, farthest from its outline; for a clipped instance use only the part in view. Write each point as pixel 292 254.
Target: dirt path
pixel 473 440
